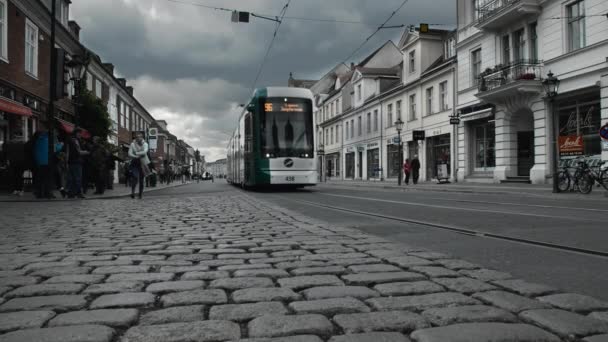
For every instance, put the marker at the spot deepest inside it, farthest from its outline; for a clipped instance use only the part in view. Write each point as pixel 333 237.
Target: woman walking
pixel 138 152
pixel 407 169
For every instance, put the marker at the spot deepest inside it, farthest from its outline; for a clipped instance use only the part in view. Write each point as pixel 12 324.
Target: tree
pixel 93 115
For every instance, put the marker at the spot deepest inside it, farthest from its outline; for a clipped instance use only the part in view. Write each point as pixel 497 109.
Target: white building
pixel 217 167
pixel 505 50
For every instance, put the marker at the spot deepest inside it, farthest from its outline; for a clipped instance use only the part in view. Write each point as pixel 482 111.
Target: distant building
pixel 217 167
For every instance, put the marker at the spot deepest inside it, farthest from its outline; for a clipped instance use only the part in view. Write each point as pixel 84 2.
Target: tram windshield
pixel 286 128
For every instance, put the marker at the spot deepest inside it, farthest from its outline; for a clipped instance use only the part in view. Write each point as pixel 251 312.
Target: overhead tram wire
pixel 375 32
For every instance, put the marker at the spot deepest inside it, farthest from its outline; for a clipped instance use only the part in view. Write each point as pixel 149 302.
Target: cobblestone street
pixel 229 267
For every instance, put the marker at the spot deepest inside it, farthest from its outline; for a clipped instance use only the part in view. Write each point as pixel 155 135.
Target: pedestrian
pixel 61 167
pixel 75 160
pixel 407 169
pixel 98 167
pixel 415 169
pixel 16 163
pixel 138 152
pixel 43 171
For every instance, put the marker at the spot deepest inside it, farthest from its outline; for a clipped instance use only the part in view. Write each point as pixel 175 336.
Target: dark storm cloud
pixel 193 65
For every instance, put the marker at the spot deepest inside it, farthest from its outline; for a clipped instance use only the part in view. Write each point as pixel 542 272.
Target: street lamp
pixel 399 126
pixel 551 85
pixel 321 153
pixel 78 67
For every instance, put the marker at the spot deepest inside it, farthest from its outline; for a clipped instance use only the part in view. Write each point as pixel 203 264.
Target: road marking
pixel 459 208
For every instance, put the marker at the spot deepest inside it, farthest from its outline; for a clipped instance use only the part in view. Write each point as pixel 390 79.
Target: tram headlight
pixel 267 155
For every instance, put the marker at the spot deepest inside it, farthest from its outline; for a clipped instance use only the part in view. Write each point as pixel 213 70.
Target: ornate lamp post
pixel 399 126
pixel 78 67
pixel 321 153
pixel 551 85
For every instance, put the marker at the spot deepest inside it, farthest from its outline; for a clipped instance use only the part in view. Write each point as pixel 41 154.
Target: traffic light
pixel 240 17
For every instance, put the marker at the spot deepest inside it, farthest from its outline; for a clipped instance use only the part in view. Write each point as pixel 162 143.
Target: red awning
pixel 69 128
pixel 12 107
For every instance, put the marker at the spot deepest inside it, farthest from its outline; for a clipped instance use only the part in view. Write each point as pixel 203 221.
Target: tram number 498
pixel 290 179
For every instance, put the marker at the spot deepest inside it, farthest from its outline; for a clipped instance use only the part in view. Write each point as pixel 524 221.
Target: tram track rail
pixel 458 230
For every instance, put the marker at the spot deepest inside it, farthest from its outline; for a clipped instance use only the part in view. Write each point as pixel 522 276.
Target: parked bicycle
pixel 584 177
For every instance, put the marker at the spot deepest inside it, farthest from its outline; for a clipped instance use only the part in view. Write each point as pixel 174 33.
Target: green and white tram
pixel 274 141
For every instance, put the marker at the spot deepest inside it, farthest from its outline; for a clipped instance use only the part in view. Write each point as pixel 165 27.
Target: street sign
pixel 604 132
pixel 396 140
pixel 418 135
pixel 454 121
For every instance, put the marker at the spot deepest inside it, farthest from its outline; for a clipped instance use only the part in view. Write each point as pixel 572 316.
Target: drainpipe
pixel 381 142
pixel 455 130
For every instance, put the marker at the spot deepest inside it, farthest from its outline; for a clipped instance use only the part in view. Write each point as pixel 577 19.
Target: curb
pixel 88 198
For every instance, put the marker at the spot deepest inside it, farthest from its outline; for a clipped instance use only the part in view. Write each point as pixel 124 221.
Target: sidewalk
pixel 230 267
pixel 520 189
pixel 120 190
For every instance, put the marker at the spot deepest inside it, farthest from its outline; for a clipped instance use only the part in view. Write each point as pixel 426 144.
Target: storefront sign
pixel 360 148
pixel 604 132
pixel 571 145
pixel 350 149
pixel 372 145
pixel 418 135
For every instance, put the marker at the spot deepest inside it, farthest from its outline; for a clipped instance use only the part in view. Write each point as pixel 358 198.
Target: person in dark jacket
pixel 75 160
pixel 415 169
pixel 16 160
pixel 98 167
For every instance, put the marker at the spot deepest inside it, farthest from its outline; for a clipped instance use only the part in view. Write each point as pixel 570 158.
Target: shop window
pixel 485 144
pixel 581 117
pixel 394 166
pixel 373 164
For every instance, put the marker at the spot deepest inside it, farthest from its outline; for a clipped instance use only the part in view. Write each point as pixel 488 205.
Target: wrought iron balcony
pixel 495 14
pixel 516 78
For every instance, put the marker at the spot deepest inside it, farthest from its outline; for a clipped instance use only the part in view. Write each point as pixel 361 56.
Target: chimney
pixel 122 82
pixel 74 29
pixel 352 66
pixel 109 67
pixel 130 90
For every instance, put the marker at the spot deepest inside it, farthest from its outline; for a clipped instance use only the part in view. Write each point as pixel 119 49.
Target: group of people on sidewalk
pixel 412 168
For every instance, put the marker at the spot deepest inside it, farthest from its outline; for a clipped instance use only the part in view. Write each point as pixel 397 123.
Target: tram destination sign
pixel 283 107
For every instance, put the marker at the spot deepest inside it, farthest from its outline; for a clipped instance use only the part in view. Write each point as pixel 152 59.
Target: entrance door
pixel 360 165
pixel 525 153
pixel 373 163
pixel 350 165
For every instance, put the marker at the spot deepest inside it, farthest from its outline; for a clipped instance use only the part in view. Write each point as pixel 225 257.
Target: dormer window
pixel 412 59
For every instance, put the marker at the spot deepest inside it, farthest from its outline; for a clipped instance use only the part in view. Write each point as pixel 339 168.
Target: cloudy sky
pixel 192 66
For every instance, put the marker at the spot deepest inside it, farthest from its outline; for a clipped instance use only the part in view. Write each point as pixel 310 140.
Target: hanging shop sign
pixel 571 145
pixel 418 135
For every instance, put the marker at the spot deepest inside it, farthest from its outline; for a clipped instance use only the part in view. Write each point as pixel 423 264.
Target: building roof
pixel 392 71
pixel 295 83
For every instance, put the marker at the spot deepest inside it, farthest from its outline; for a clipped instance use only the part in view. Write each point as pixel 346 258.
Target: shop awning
pixel 13 107
pixel 480 114
pixel 69 128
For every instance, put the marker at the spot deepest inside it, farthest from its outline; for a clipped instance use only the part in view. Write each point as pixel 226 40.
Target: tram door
pixel 249 169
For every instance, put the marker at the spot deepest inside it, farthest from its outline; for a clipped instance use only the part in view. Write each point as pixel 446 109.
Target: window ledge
pixel 4 59
pixel 31 75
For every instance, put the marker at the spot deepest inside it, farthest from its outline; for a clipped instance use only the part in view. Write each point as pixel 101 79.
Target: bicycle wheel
pixel 563 181
pixel 585 184
pixel 603 179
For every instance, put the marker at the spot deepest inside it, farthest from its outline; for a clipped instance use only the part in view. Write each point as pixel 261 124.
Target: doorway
pixel 350 165
pixel 525 153
pixel 360 166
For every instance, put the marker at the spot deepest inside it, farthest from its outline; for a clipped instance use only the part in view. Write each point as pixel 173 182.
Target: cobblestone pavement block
pixel 468 314
pixel 209 275
pixel 601 315
pixel 298 338
pixel 143 277
pixel 176 314
pixel 318 270
pixel 303 282
pixel 116 318
pixel 486 274
pixel 371 268
pixel 380 277
pixel 80 333
pixel 289 265
pixel 245 312
pixel 429 255
pixel 421 302
pixel 24 320
pixel 193 297
pixel 123 286
pixel 565 323
pixel 269 273
pixel 204 331
pixel 435 271
pixel 575 302
pixel 57 271
pixel 330 306
pixel 408 288
pixel 279 325
pixel 124 300
pixel 371 337
pixel 597 338
pixel 121 269
pixel 18 281
pixel 58 303
pixel 175 286
pixel 491 332
pixel 243 267
pixel 525 288
pixel 241 283
pixel 409 261
pixel 323 292
pixel 265 294
pixel 464 284
pixel 510 301
pixel 76 278
pixel 457 264
pixel 45 290
pixel 403 321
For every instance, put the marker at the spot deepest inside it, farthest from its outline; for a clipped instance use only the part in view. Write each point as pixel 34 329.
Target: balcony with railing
pixel 496 14
pixel 510 79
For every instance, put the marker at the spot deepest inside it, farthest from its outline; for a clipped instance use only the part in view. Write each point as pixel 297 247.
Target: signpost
pixel 152 138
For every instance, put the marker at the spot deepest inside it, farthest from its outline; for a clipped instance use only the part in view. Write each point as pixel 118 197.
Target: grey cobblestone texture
pixel 232 268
